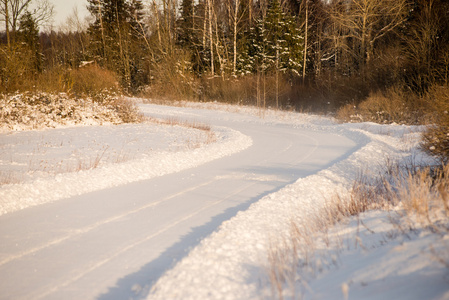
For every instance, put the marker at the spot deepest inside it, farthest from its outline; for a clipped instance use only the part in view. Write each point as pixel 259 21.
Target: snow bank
pixel 232 262
pixel 25 111
pixel 375 261
pixel 46 189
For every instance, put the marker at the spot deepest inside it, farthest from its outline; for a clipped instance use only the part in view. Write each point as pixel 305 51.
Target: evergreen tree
pixel 186 34
pixel 275 43
pixel 117 39
pixel 29 35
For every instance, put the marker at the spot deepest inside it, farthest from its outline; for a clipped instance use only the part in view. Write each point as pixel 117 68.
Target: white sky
pixel 64 8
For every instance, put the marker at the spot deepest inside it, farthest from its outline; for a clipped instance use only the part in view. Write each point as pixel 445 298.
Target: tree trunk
pixel 7 24
pixel 158 23
pixel 305 41
pixel 205 25
pixel 102 29
pixel 236 11
pixel 211 38
pixel 217 43
pixel 277 74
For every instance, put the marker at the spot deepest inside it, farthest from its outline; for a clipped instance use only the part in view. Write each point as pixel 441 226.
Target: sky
pixel 64 8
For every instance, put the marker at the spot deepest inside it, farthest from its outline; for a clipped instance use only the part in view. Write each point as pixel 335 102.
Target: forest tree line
pixel 286 53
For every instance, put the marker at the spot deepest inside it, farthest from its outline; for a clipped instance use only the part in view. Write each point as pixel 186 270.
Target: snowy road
pixel 115 243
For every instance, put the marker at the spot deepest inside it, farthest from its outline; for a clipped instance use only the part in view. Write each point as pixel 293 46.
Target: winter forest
pixel 211 149
pixel 363 60
pixel 289 51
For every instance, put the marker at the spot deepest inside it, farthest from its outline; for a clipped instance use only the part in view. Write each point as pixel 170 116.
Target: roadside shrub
pixel 24 111
pixel 91 80
pixel 172 77
pixel 17 74
pixel 17 70
pixel 229 90
pixel 126 110
pixel 436 137
pixel 391 106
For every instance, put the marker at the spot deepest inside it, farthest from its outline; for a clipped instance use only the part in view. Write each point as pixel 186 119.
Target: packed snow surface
pixel 170 212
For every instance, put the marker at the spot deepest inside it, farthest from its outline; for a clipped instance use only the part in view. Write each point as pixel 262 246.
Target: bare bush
pixel 39 110
pixel 16 68
pixel 436 138
pixel 91 80
pixel 391 106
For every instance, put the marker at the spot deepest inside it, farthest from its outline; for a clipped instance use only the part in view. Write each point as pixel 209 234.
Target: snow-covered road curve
pixel 115 243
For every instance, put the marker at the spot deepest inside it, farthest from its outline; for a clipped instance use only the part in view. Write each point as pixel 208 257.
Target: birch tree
pixel 367 21
pixel 12 10
pixel 239 13
pixel 426 44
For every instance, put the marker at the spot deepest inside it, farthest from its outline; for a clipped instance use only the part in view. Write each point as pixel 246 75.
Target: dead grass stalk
pixel 415 198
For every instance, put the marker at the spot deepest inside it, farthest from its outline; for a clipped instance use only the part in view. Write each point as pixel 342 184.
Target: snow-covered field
pixel 368 261
pixel 86 159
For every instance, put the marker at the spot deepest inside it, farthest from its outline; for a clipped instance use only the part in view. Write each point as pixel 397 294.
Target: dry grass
pixel 206 136
pixel 210 135
pixel 391 106
pixel 190 124
pixel 420 197
pixel 93 163
pixel 436 138
pixel 62 166
pixel 424 198
pixel 8 178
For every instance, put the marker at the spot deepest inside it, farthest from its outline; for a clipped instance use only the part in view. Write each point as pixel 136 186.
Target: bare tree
pixel 366 21
pixel 43 12
pixel 12 10
pixel 5 12
pixel 425 44
pixel 305 6
pixel 236 12
pixel 211 37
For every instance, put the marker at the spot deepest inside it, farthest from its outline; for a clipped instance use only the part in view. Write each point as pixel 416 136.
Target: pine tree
pixel 29 35
pixel 117 38
pixel 275 43
pixel 185 28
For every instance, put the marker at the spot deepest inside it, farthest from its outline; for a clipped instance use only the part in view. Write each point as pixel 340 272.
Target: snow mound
pixel 232 263
pixel 47 189
pixel 26 111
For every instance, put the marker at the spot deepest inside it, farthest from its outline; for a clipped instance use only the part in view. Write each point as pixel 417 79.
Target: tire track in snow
pixel 77 232
pixel 137 243
pixel 106 259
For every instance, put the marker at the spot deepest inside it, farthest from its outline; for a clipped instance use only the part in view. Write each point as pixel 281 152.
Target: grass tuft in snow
pixel 26 156
pixel 7 177
pixel 423 201
pixel 192 144
pixel 415 201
